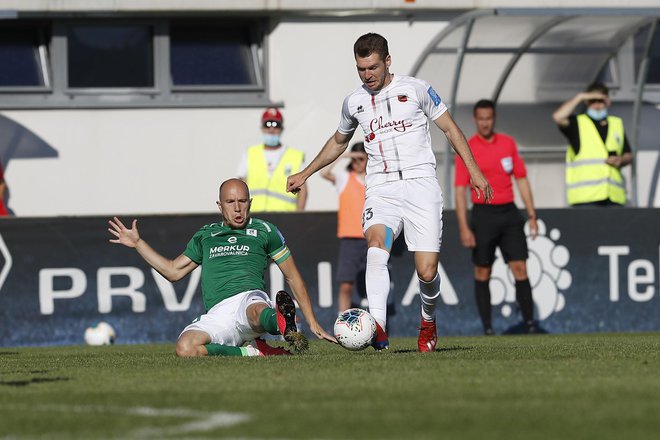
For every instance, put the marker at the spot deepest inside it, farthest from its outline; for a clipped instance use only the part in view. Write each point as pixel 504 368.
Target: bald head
pixel 234 184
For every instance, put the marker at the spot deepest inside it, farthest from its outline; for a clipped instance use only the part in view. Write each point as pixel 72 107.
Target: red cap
pixel 272 114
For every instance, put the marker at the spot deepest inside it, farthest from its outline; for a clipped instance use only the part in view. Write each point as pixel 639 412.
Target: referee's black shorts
pixel 498 225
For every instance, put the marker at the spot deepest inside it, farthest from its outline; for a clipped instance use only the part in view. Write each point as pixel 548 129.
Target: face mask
pixel 271 140
pixel 597 114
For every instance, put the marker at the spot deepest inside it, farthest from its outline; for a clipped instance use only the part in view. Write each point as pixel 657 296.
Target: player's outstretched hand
pixel 320 333
pixel 127 237
pixel 481 186
pixel 294 182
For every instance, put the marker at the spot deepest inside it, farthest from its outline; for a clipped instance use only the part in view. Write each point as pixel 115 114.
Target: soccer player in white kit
pixel 402 188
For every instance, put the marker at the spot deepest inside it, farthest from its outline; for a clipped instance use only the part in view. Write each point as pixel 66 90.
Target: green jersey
pixel 234 260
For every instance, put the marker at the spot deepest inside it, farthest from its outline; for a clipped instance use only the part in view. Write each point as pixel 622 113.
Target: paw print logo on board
pixel 545 269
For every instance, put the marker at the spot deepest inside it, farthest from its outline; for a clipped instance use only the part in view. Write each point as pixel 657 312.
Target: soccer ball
pixel 100 333
pixel 355 329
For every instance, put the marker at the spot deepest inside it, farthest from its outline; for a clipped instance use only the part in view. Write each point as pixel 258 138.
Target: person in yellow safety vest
pixel 266 166
pixel 598 149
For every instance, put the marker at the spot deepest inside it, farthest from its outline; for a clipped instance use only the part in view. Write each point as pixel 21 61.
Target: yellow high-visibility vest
pixel 588 177
pixel 268 192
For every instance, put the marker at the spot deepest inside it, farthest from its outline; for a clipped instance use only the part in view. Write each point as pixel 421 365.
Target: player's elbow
pixel 175 277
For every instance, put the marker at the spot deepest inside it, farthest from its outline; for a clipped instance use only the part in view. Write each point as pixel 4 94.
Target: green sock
pixel 268 320
pixel 224 350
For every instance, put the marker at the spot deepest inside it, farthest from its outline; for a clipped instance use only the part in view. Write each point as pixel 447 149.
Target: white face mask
pixel 597 114
pixel 271 140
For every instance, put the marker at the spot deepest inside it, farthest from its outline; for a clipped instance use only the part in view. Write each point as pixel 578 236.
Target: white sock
pixel 429 293
pixel 377 278
pixel 250 350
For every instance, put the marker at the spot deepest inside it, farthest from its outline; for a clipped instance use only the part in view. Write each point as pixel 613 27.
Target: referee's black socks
pixel 482 295
pixel 525 301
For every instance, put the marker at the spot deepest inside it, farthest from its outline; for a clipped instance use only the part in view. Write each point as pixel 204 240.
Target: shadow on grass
pixel 454 348
pixel 8 353
pixel 26 382
pixel 437 350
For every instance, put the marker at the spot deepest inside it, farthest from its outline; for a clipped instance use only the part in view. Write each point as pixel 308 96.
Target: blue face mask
pixel 597 115
pixel 271 140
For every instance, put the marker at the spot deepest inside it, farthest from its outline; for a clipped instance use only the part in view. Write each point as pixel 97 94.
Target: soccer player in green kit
pixel 234 255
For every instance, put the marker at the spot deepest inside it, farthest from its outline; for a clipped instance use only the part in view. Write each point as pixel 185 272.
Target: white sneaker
pixel 253 351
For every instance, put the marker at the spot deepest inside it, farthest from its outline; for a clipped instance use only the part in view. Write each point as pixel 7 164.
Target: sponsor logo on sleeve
pixel 434 96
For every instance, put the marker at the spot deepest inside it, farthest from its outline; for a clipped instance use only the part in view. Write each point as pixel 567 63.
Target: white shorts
pixel 227 323
pixel 414 205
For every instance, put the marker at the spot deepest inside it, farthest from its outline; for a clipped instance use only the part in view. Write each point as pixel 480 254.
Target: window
pixel 124 62
pixel 653 73
pixel 23 57
pixel 211 56
pixel 110 56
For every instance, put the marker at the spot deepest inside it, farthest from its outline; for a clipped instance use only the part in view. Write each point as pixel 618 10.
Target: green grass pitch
pixel 595 386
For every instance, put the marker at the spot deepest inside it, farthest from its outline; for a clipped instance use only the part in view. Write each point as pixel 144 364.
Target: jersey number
pixel 367 214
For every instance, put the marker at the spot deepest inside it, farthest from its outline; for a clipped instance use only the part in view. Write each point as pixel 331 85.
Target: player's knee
pixel 482 273
pixel 518 269
pixel 379 236
pixel 185 348
pixel 376 242
pixel 253 314
pixel 427 273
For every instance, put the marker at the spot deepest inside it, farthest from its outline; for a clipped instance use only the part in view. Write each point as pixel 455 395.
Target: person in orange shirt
pixel 349 183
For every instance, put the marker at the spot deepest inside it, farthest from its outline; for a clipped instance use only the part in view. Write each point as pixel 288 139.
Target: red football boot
pixel 428 336
pixel 267 350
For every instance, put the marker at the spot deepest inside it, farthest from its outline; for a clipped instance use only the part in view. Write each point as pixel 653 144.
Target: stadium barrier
pixel 592 270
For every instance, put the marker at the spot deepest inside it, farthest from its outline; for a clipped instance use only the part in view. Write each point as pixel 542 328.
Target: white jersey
pixel 395 121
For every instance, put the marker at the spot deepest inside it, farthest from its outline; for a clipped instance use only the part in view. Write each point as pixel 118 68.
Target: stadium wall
pixel 591 271
pixel 117 157
pixel 171 160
